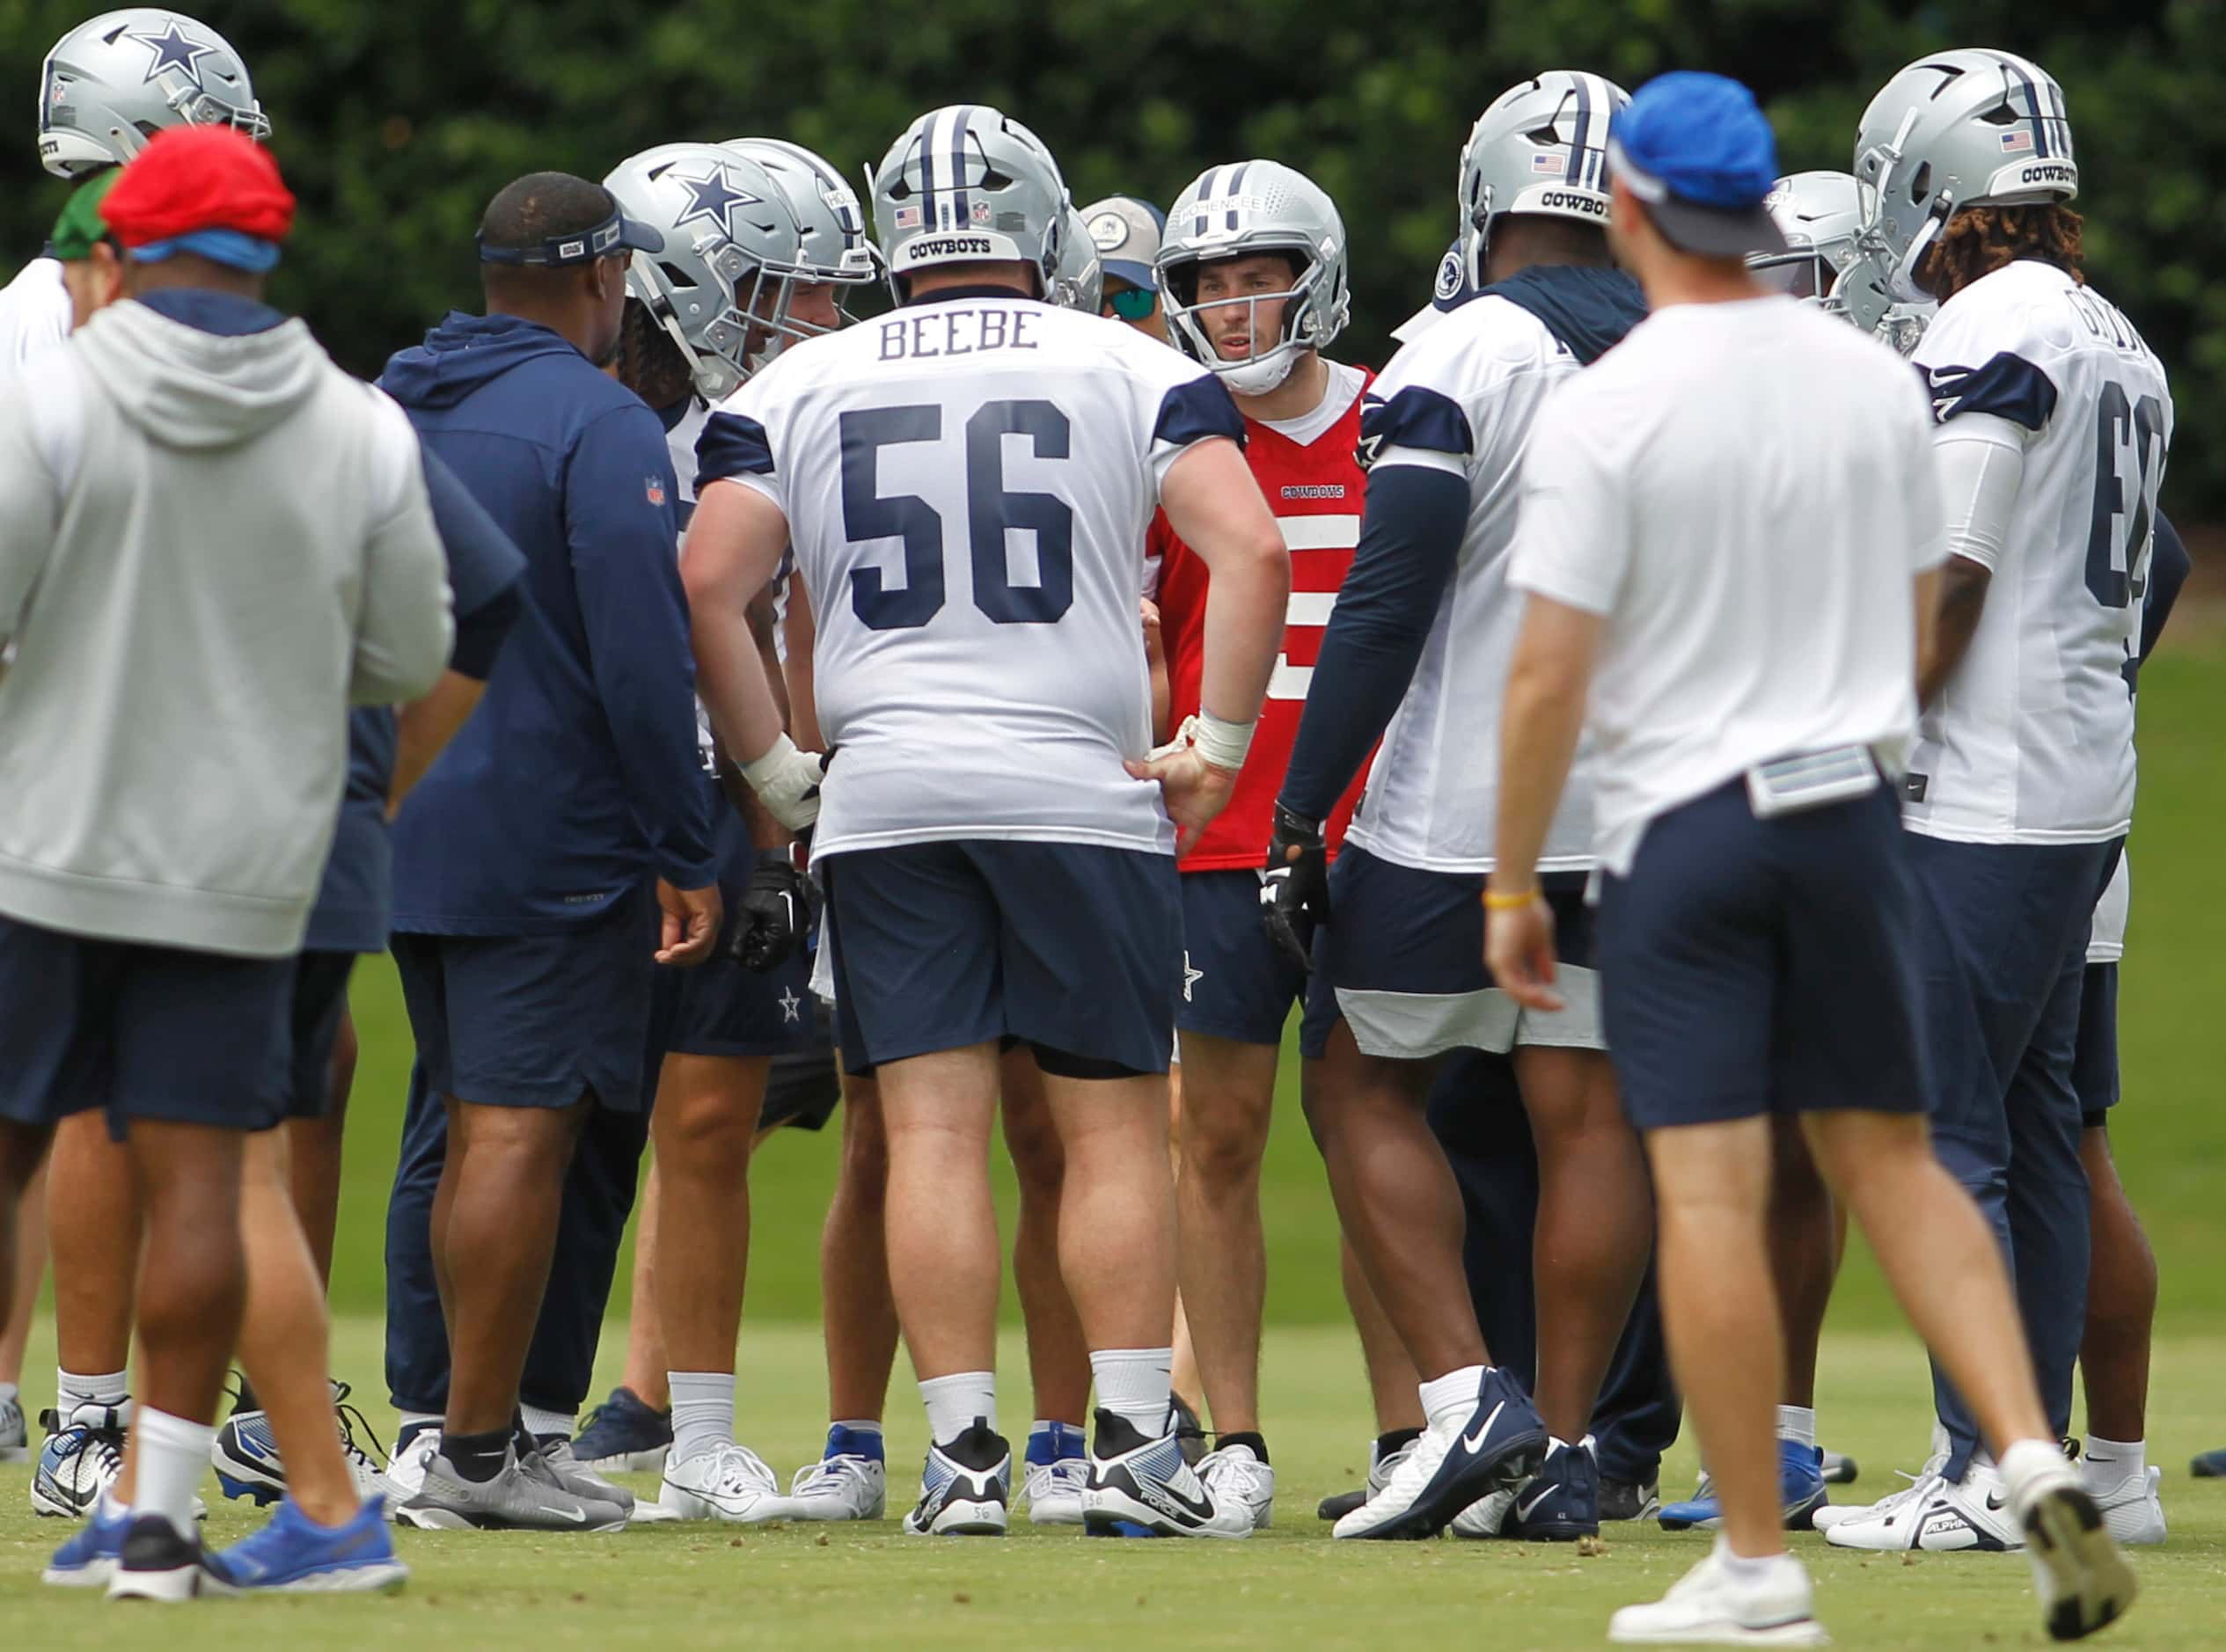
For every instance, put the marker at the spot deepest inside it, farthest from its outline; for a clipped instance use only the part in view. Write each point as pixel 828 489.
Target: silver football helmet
pixel 1237 211
pixel 1079 282
pixel 1540 147
pixel 967 183
pixel 1953 130
pixel 733 253
pixel 836 248
pixel 1820 215
pixel 112 84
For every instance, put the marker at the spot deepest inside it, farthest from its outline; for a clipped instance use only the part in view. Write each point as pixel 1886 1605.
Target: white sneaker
pixel 2082 1579
pixel 1238 1479
pixel 1940 1516
pixel 846 1488
pixel 1709 1605
pixel 2130 1507
pixel 405 1476
pixel 1054 1490
pixel 1144 1487
pixel 731 1483
pixel 1838 1514
pixel 1487 1518
pixel 1456 1465
pixel 15 1434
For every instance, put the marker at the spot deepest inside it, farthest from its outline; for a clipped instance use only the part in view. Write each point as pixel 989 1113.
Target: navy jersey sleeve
pixel 486 573
pixel 2005 384
pixel 1195 410
pixel 1414 416
pixel 2169 566
pixel 1410 535
pixel 731 444
pixel 619 528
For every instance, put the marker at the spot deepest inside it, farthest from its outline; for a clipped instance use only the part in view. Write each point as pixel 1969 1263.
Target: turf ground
pixel 842 1587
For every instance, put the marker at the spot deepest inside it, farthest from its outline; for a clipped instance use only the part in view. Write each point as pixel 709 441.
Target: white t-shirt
pixel 34 314
pixel 968 482
pixel 1462 398
pixel 1744 492
pixel 2032 740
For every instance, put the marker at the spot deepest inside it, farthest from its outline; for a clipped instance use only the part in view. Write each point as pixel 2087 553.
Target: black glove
pixel 1294 889
pixel 775 918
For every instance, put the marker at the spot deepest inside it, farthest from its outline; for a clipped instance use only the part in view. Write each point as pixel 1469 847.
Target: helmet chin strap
pixel 1257 377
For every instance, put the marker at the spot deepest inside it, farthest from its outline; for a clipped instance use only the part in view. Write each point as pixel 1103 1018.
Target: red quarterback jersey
pixel 1314 484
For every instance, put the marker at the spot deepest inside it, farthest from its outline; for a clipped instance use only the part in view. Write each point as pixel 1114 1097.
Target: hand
pixel 786 782
pixel 1518 950
pixel 1294 886
pixel 691 924
pixel 1191 790
pixel 776 917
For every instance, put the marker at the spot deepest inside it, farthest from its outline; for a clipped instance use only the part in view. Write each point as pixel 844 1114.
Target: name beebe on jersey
pixel 962 332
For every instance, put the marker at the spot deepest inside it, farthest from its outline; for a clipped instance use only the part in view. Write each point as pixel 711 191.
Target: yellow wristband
pixel 1495 901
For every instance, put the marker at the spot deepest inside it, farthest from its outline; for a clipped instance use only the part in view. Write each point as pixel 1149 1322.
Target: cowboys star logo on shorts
pixel 174 48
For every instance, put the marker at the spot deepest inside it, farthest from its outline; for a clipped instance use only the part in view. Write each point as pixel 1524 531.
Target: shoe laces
pixel 1072 1473
pixel 350 1419
pixel 1380 1472
pixel 1421 1463
pixel 98 1436
pixel 1236 1467
pixel 830 1476
pixel 737 1468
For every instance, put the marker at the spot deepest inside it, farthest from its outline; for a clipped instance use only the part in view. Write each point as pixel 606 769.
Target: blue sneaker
pixel 1498 1446
pixel 293 1554
pixel 88 1561
pixel 623 1436
pixel 1563 1503
pixel 1800 1478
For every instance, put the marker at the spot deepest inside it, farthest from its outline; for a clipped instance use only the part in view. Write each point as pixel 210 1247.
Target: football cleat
pixel 1485 1519
pixel 1800 1483
pixel 1238 1477
pixel 1839 1470
pixel 2130 1507
pixel 1627 1499
pixel 89 1558
pixel 1709 1606
pixel 964 1486
pixel 2082 1579
pixel 1143 1488
pixel 730 1483
pixel 1382 1466
pixel 248 1464
pixel 849 1483
pixel 1838 1514
pixel 1189 1430
pixel 625 1434
pixel 1054 1490
pixel 158 1562
pixel 515 1500
pixel 1938 1517
pixel 294 1555
pixel 1456 1465
pixel 83 1455
pixel 1561 1503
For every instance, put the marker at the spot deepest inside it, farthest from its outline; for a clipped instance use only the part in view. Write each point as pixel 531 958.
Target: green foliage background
pixel 396 120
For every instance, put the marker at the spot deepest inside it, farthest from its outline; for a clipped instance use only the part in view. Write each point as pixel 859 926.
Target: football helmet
pixel 1540 147
pixel 1079 282
pixel 836 248
pixel 1821 217
pixel 1237 211
pixel 967 183
pixel 733 253
pixel 1953 130
pixel 112 84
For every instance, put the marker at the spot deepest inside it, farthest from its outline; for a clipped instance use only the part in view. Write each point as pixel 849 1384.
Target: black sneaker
pixel 1563 1503
pixel 158 1562
pixel 1382 1464
pixel 1629 1499
pixel 1142 1488
pixel 624 1434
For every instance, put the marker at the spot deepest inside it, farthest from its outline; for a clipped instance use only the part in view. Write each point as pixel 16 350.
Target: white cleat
pixel 848 1486
pixel 2082 1578
pixel 966 1487
pixel 1708 1606
pixel 1840 1514
pixel 1054 1490
pixel 732 1484
pixel 1238 1479
pixel 1143 1488
pixel 1939 1518
pixel 405 1476
pixel 2131 1506
pixel 1486 1517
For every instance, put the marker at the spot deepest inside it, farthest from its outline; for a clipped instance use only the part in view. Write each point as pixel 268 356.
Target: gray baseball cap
pixel 1126 232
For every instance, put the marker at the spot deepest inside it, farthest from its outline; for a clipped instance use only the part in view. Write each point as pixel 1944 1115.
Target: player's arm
pixel 404 619
pixel 2169 566
pixel 800 635
pixel 1155 662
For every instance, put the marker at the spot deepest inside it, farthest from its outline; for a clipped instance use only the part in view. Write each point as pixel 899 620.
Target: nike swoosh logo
pixel 578 1517
pixel 1469 1442
pixel 1995 1503
pixel 1523 1508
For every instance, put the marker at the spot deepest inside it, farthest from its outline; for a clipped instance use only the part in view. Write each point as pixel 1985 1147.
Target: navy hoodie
pixel 578 776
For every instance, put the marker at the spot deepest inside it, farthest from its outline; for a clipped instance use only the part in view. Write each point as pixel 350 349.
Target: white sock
pixel 9 1390
pixel 703 1412
pixel 1746 1568
pixel 1449 1399
pixel 2023 1464
pixel 952 1402
pixel 73 1390
pixel 1134 1383
pixel 1798 1423
pixel 541 1424
pixel 2106 1462
pixel 174 1455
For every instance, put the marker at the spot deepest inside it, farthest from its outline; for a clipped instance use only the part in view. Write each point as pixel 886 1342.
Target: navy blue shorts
pixel 1236 982
pixel 535 1021
pixel 719 1008
pixel 319 1005
pixel 147 1032
pixel 1072 948
pixel 805 1088
pixel 1751 965
pixel 2094 1062
pixel 1402 962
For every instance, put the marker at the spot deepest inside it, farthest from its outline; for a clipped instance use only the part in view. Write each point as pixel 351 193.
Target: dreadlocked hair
pixel 650 362
pixel 1980 240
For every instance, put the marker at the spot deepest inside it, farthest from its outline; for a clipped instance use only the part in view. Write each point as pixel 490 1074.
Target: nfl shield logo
pixel 653 490
pixel 2014 142
pixel 979 211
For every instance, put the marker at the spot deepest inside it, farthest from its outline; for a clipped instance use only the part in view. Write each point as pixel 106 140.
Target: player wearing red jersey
pixel 1252 273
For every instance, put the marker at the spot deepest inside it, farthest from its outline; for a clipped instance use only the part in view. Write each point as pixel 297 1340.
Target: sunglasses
pixel 1132 304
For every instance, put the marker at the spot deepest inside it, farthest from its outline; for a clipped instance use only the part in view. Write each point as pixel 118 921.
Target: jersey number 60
pixel 991 509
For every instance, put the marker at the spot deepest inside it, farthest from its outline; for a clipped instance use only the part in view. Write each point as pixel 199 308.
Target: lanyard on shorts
pixel 1787 786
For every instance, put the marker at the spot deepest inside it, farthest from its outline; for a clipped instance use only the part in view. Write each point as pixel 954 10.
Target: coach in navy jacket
pixel 525 924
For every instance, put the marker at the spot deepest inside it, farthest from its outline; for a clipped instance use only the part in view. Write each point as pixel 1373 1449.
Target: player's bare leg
pixel 313 1156
pixel 94 1231
pixel 26 1235
pixel 1189 1388
pixel 1807 1229
pixel 860 1312
pixel 2121 1303
pixel 1719 1312
pixel 23 1150
pixel 1059 1359
pixel 1594 1226
pixel 943 1262
pixel 1229 1089
pixel 1392 1381
pixel 646 1362
pixel 1396 1198
pixel 284 1342
pixel 1117 1224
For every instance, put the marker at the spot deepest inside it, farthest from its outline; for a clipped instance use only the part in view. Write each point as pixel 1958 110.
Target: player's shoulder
pixel 35 312
pixel 2027 307
pixel 1488 340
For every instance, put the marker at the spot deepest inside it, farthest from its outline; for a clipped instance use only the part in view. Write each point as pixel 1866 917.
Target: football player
pixel 1420 641
pixel 972 476
pixel 2054 421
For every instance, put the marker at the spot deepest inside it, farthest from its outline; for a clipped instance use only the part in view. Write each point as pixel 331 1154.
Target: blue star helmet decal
pixel 174 48
pixel 714 198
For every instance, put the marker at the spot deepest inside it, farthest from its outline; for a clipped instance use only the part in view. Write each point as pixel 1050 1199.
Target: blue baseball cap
pixel 1699 153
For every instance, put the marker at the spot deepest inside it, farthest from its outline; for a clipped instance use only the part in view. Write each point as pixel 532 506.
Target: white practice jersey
pixel 968 482
pixel 34 314
pixel 680 442
pixel 2031 741
pixel 1461 399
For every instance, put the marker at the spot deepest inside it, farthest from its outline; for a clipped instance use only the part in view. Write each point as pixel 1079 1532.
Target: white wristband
pixel 1220 743
pixel 786 782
